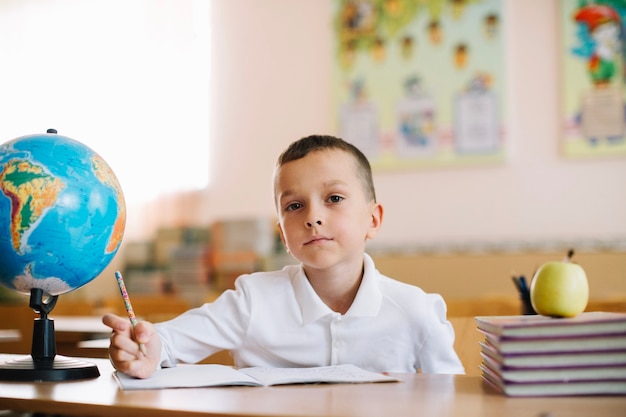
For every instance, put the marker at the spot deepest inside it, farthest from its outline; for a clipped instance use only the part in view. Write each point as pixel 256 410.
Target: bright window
pixel 129 78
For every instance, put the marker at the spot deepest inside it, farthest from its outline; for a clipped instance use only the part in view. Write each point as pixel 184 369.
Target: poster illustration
pixel 593 77
pixel 420 82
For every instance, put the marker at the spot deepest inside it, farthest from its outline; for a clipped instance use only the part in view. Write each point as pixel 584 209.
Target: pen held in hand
pixel 128 305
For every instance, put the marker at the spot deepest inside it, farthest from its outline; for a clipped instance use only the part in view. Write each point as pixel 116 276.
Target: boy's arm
pixel 206 330
pixel 437 354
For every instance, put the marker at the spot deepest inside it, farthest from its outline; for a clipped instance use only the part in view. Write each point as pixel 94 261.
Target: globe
pixel 62 214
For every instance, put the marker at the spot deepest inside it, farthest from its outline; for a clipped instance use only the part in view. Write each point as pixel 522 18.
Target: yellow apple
pixel 559 289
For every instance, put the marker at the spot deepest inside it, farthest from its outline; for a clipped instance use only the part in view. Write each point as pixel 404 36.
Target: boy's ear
pixel 377 220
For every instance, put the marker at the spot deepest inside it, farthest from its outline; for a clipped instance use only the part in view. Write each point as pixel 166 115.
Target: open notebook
pixel 212 375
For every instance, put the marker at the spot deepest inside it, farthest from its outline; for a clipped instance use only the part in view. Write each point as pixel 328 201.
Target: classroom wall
pixel 271 64
pixel 271 72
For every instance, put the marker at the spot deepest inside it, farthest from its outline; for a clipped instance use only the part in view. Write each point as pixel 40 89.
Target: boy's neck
pixel 336 288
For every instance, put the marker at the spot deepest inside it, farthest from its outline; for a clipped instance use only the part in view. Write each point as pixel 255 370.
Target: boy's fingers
pixel 123 342
pixel 143 332
pixel 115 322
pixel 124 350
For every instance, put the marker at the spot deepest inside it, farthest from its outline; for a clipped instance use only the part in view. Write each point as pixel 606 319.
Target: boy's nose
pixel 317 222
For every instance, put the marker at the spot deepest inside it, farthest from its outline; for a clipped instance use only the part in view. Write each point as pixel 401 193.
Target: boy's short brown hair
pixel 302 147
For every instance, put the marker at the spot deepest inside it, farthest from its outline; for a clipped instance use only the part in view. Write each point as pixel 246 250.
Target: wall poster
pixel 420 82
pixel 593 77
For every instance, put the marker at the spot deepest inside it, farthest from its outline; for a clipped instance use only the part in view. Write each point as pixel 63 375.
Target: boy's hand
pixel 124 349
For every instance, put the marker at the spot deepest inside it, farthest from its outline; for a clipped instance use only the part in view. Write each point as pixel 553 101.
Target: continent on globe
pixel 32 191
pixel 106 175
pixel 50 285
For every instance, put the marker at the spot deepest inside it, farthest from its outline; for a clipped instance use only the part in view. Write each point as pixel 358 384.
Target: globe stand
pixel 44 364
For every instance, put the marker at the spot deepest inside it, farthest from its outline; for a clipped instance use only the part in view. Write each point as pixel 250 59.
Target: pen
pixel 516 282
pixel 128 305
pixel 523 284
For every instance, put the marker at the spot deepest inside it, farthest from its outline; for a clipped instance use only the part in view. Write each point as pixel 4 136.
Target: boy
pixel 333 308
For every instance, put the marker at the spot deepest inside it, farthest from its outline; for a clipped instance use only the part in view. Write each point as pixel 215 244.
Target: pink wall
pixel 271 84
pixel 271 68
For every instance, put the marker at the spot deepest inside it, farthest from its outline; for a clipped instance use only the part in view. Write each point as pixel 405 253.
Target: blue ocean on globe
pixel 62 214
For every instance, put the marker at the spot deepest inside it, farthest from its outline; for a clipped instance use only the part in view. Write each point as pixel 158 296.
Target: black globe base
pixel 61 368
pixel 44 364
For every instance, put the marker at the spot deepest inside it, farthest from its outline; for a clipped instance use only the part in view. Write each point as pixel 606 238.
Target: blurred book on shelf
pixel 175 262
pixel 240 246
pixel 195 263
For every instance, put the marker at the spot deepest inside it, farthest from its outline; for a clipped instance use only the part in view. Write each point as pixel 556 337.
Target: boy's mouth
pixel 317 239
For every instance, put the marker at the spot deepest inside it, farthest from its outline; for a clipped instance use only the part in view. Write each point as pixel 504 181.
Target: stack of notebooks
pixel 544 356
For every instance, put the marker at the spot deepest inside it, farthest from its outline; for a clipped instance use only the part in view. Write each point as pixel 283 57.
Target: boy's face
pixel 324 216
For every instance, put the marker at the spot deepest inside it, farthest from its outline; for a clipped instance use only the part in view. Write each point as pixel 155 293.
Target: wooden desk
pixel 416 394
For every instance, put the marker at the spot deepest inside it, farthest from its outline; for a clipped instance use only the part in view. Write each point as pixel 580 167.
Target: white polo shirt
pixel 275 319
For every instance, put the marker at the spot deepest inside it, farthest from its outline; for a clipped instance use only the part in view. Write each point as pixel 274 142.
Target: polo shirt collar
pixel 366 303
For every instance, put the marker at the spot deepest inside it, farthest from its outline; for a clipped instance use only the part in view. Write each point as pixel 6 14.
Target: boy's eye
pixel 335 198
pixel 293 206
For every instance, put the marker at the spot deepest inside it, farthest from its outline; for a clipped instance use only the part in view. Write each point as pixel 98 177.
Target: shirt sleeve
pixel 203 331
pixel 437 354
